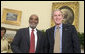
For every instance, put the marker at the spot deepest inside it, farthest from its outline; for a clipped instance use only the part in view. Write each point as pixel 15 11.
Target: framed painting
pixel 11 16
pixel 70 11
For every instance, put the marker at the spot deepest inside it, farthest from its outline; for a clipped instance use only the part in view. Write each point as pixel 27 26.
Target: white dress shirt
pixel 35 34
pixel 60 36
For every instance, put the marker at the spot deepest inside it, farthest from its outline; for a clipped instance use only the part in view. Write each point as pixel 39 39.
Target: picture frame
pixel 70 11
pixel 11 16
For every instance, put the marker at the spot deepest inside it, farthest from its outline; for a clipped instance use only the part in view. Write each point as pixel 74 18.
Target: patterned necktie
pixel 32 43
pixel 57 41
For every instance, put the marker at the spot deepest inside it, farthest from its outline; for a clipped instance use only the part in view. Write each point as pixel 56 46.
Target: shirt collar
pixel 35 30
pixel 59 26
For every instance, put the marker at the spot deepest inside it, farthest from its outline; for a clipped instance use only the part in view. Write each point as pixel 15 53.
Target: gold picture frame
pixel 11 16
pixel 73 6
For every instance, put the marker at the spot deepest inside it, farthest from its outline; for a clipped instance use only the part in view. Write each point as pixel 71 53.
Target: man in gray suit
pixel 62 38
pixel 28 40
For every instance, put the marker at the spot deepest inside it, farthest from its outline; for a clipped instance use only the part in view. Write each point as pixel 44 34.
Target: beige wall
pixel 41 8
pixel 81 16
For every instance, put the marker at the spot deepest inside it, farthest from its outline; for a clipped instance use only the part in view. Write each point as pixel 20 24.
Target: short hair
pixel 57 10
pixel 33 15
pixel 3 28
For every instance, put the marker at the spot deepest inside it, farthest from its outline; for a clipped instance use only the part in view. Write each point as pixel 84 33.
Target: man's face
pixel 2 33
pixel 33 21
pixel 57 17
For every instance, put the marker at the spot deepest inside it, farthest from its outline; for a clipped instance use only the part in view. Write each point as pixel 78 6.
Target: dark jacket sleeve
pixel 43 43
pixel 46 45
pixel 16 42
pixel 76 42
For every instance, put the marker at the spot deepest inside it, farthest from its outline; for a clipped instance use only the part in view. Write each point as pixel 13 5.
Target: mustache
pixel 33 25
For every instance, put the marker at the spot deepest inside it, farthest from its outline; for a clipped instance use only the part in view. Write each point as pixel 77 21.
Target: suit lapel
pixel 38 39
pixel 53 32
pixel 52 37
pixel 63 32
pixel 64 36
pixel 28 37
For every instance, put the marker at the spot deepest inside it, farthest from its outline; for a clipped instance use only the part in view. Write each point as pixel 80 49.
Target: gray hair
pixel 57 10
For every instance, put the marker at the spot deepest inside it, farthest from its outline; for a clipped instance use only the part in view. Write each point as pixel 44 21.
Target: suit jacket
pixel 21 42
pixel 70 41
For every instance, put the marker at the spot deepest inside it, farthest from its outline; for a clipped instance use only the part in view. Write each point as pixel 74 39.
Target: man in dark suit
pixel 28 40
pixel 67 42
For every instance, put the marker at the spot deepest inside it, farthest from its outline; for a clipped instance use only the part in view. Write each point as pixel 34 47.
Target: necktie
pixel 32 43
pixel 57 41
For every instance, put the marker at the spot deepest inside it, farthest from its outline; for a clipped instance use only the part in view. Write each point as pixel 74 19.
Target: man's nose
pixel 33 20
pixel 57 17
